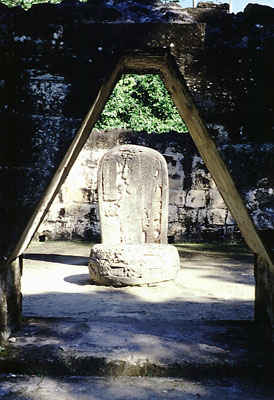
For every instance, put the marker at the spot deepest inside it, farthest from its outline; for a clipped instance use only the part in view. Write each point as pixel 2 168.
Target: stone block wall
pixel 197 211
pixel 55 57
pixel 53 61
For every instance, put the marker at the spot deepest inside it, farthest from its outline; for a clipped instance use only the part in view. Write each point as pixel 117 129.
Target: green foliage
pixel 141 102
pixel 26 3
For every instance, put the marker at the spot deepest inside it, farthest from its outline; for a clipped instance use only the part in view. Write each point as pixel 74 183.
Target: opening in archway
pixel 140 111
pixel 142 321
pixel 195 207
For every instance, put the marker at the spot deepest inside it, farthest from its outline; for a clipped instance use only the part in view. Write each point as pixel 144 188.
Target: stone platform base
pixel 133 264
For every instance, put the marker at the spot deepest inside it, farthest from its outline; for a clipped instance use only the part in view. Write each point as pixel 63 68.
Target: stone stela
pixel 64 64
pixel 133 205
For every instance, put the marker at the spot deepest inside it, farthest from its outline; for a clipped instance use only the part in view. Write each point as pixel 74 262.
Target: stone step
pixel 132 388
pixel 136 347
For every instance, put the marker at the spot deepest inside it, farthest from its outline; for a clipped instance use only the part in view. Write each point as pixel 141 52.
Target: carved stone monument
pixel 133 206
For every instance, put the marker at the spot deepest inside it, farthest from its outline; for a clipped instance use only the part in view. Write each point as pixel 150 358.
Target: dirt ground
pixel 183 340
pixel 214 284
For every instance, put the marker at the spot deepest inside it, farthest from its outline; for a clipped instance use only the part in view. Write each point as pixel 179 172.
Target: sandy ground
pixel 201 320
pixel 211 285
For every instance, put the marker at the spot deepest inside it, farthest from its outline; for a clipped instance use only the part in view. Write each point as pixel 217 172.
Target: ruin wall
pixel 53 61
pixel 197 211
pixel 55 57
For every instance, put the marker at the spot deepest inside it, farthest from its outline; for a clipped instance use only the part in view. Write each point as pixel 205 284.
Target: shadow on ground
pixel 57 258
pixel 198 328
pixel 134 337
pixel 125 388
pixel 203 320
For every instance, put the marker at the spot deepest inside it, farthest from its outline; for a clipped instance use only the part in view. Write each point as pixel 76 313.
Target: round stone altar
pixel 133 264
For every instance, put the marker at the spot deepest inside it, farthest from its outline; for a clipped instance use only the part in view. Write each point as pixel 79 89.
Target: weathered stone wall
pixel 196 209
pixel 53 60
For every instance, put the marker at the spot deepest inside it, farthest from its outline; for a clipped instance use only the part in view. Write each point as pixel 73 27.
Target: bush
pixel 141 102
pixel 26 3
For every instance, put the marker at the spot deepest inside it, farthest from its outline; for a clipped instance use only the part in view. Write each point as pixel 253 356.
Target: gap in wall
pixel 62 265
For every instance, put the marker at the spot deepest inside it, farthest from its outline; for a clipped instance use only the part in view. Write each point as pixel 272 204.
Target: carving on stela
pixel 133 206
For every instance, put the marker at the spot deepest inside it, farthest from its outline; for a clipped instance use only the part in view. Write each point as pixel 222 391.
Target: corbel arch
pixel 164 64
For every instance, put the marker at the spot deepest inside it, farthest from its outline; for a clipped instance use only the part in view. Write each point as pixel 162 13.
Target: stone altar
pixel 133 206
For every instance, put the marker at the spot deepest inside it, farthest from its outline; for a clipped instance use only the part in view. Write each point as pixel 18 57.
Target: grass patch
pixel 214 248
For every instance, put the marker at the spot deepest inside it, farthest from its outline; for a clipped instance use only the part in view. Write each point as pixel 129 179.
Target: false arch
pixel 163 63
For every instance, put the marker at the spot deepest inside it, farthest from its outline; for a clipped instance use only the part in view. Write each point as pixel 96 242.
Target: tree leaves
pixel 141 103
pixel 26 4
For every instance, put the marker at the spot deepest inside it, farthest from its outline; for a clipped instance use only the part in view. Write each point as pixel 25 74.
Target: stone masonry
pixel 196 209
pixel 54 60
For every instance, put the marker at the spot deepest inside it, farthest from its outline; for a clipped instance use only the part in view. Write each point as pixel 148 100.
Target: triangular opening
pixel 141 111
pixel 167 67
pixel 70 260
pixel 141 103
